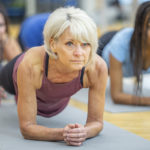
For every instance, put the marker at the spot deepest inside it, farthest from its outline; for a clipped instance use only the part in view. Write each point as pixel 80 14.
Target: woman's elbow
pixel 99 127
pixel 25 132
pixel 115 98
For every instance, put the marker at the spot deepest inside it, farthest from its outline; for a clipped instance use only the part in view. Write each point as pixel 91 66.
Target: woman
pixel 127 54
pixel 45 77
pixel 9 48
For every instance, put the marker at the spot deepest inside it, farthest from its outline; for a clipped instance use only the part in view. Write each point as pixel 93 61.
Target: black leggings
pixel 103 40
pixel 6 79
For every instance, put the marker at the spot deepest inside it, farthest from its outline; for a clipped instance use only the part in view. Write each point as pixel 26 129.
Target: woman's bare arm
pixel 11 48
pixel 29 78
pixel 117 93
pixel 97 79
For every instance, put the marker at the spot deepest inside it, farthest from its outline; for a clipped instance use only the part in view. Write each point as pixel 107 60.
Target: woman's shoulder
pixel 34 55
pixel 33 58
pixel 31 67
pixel 120 40
pixel 99 64
pixel 125 32
pixel 96 69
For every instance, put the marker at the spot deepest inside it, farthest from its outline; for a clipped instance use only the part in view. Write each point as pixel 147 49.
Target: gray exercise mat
pixel 128 87
pixel 110 138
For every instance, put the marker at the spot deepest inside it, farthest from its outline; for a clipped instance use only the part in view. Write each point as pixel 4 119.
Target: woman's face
pixel 72 53
pixel 2 25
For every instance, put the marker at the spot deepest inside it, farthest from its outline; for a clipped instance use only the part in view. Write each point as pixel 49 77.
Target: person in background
pixel 44 78
pixel 127 53
pixel 9 47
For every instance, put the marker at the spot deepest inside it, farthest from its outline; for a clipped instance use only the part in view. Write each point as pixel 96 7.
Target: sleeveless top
pixel 52 98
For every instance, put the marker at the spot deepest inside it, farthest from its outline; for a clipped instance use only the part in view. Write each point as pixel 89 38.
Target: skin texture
pixel 139 47
pixel 10 46
pixel 116 84
pixel 72 56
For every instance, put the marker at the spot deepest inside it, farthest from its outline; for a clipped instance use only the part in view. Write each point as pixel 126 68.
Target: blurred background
pixel 108 14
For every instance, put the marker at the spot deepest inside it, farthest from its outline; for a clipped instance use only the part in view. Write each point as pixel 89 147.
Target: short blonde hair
pixel 81 26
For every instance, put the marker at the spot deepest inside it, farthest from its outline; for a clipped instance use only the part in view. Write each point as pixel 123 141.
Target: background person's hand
pixel 2 93
pixel 75 134
pixel 4 39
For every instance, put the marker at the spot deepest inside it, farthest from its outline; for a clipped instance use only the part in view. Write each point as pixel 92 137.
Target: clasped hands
pixel 74 134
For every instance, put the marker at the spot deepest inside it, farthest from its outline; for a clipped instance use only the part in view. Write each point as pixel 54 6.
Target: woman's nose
pixel 78 51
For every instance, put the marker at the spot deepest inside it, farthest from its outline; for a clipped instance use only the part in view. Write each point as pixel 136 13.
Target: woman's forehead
pixel 69 35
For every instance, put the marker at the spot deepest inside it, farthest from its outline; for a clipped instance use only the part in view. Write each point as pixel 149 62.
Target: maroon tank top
pixel 52 98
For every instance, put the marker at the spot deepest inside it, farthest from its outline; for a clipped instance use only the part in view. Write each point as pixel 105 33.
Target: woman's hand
pixel 4 38
pixel 75 134
pixel 2 93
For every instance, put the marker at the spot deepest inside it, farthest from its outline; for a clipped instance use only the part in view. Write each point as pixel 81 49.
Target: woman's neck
pixel 58 73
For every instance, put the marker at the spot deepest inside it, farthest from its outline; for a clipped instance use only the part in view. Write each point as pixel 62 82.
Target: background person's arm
pixel 11 48
pixel 116 86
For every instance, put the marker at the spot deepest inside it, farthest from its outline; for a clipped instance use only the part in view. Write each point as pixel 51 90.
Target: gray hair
pixel 81 26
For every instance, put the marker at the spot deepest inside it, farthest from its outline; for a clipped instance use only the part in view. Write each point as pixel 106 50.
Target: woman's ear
pixel 52 43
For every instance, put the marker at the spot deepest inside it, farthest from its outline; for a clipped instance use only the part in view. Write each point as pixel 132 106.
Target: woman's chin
pixel 77 67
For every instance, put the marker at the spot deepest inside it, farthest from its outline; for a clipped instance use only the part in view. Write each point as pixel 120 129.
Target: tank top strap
pixel 46 68
pixel 81 77
pixel 46 63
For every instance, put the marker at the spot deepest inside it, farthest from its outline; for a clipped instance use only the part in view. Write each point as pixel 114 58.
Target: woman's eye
pixel 85 44
pixel 69 43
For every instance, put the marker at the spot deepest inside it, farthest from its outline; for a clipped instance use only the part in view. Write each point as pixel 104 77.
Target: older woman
pixel 45 77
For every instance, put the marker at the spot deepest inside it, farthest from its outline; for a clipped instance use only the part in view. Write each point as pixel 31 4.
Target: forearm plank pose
pixel 45 77
pixel 127 54
pixel 9 47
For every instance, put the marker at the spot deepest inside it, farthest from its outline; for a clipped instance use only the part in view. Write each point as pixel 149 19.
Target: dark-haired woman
pixel 9 47
pixel 127 54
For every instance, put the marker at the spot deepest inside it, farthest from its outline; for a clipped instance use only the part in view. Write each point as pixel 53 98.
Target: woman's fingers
pixel 74 134
pixel 67 128
pixel 2 93
pixel 74 143
pixel 75 139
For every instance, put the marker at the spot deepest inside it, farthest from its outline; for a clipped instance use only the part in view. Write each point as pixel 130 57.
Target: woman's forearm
pixel 93 128
pixel 128 99
pixel 11 49
pixel 37 132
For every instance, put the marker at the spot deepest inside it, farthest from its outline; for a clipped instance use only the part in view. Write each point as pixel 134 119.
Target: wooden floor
pixel 14 30
pixel 135 122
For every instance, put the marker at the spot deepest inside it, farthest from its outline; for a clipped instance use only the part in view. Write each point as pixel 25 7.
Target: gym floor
pixel 134 122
